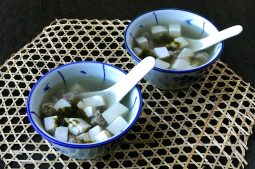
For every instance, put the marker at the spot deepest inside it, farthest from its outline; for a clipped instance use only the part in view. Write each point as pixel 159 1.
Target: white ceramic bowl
pixel 62 75
pixel 167 79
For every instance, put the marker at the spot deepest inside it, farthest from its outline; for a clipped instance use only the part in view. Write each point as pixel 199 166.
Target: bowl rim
pixel 83 145
pixel 137 59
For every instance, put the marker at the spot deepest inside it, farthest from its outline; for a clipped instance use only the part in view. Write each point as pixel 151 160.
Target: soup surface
pixel 168 43
pixel 70 118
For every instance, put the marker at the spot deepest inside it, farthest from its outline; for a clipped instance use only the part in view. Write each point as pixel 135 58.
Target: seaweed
pixel 61 122
pixel 145 53
pixel 74 101
pixel 173 46
pixel 47 110
pixel 162 40
pixel 73 111
pixel 65 113
pixel 62 114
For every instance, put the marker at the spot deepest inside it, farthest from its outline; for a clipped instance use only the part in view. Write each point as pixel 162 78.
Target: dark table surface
pixel 21 21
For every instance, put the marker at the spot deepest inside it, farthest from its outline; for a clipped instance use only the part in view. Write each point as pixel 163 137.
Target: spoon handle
pixel 220 36
pixel 126 83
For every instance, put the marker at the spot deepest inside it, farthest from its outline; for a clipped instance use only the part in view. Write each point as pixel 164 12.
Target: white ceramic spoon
pixel 116 92
pixel 200 44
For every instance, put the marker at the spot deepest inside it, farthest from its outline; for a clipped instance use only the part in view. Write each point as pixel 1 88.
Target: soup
pixel 169 45
pixel 70 118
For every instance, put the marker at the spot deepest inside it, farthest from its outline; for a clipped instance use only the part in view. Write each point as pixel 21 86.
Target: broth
pixel 67 117
pixel 167 41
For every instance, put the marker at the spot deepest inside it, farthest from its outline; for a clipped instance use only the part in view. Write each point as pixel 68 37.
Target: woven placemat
pixel 205 126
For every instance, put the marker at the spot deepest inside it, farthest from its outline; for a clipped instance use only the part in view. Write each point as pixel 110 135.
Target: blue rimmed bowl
pixel 167 79
pixel 80 70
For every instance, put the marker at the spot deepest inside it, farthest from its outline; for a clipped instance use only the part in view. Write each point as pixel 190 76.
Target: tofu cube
pixel 62 103
pixel 158 30
pixel 80 105
pixel 186 53
pixel 137 51
pixel 117 125
pixel 74 130
pixel 94 101
pixel 50 124
pixel 181 64
pixel 95 131
pixel 102 136
pixel 174 30
pixel 183 42
pixel 161 52
pixel 142 42
pixel 89 111
pixel 61 133
pixel 114 111
pixel 77 126
pixel 162 64
pixel 84 137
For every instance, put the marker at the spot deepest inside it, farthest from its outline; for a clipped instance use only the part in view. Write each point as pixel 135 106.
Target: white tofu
pixel 174 30
pixel 161 52
pixel 77 126
pixel 158 30
pixel 50 124
pixel 94 101
pixel 137 51
pixel 181 64
pixel 102 136
pixel 80 105
pixel 61 133
pixel 114 111
pixel 74 130
pixel 117 125
pixel 186 53
pixel 84 137
pixel 95 131
pixel 162 64
pixel 142 42
pixel 62 103
pixel 183 42
pixel 89 111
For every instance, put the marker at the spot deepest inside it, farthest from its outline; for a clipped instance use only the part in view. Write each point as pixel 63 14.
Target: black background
pixel 22 20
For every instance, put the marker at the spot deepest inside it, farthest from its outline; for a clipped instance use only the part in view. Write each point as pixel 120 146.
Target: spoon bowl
pixel 116 92
pixel 200 44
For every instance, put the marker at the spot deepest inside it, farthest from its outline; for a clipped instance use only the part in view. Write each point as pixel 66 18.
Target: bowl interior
pixel 188 21
pixel 62 75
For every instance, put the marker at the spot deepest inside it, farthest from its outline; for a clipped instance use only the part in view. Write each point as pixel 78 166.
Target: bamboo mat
pixel 205 126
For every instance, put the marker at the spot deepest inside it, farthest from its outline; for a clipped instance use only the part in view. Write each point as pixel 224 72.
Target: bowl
pixel 168 79
pixel 61 76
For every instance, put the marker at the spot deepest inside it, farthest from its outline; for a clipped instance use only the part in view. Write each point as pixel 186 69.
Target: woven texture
pixel 205 126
